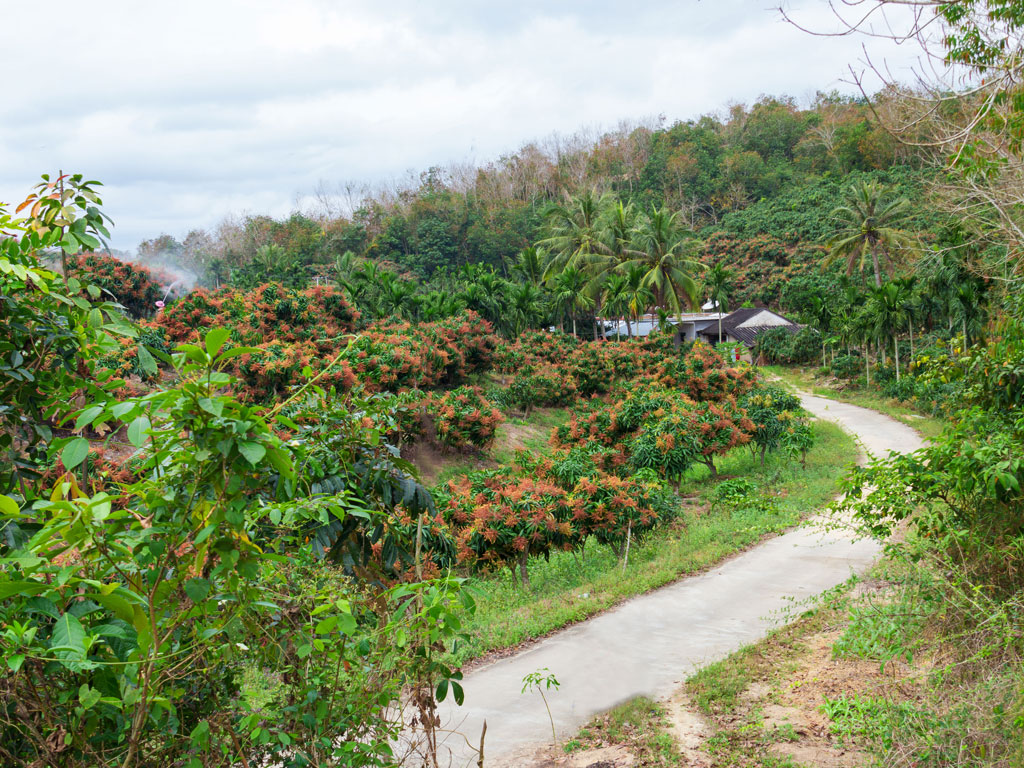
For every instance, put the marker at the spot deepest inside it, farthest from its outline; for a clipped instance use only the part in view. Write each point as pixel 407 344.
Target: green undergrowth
pixel 713 524
pixel 804 379
pixel 640 725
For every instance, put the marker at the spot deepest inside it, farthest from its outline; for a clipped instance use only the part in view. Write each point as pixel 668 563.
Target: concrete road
pixel 648 645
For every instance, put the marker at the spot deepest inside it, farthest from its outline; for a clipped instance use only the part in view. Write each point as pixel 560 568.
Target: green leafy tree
pixel 55 327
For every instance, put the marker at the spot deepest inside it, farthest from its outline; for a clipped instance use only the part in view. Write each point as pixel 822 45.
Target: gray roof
pixel 733 325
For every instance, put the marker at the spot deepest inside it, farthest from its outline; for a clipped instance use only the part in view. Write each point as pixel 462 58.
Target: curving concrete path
pixel 647 645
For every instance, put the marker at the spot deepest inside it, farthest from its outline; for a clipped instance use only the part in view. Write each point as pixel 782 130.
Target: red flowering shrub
pixel 131 285
pixel 688 434
pixel 542 386
pixel 101 473
pixel 612 508
pixel 270 312
pixel 704 375
pixel 590 421
pixel 533 348
pixel 397 356
pixel 501 519
pixel 463 417
pixel 273 368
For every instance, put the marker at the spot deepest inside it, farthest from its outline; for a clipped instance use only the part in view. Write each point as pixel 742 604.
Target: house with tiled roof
pixel 743 326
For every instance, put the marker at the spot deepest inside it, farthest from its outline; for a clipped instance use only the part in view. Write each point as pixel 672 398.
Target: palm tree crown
pixel 868 226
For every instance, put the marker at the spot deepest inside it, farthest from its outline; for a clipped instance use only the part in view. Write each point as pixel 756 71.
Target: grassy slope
pixel 567 588
pixel 803 379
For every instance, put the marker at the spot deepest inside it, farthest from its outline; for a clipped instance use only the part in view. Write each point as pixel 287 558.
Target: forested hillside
pixel 754 188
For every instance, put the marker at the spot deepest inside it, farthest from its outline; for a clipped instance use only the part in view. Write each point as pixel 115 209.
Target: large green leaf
pixel 9 506
pixel 215 339
pixel 68 640
pixel 137 431
pixel 11 588
pixel 74 452
pixel 146 361
pixel 254 452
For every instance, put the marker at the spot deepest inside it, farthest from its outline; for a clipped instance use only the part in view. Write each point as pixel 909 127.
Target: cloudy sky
pixel 189 111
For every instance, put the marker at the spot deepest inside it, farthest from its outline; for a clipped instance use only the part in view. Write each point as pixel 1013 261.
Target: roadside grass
pixel 570 587
pixel 640 725
pixel 743 737
pixel 804 379
pixel 716 689
pixel 873 673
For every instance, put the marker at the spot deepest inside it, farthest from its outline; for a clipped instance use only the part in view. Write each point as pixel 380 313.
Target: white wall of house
pixel 763 318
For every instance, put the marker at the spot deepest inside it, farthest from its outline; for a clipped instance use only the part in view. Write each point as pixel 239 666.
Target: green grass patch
pixel 641 726
pixel 804 379
pixel 570 587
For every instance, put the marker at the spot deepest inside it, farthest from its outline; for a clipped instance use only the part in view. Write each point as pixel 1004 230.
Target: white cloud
pixel 195 110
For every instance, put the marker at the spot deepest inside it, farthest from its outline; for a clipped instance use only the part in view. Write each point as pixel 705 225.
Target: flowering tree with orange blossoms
pixel 463 417
pixel 133 286
pixel 614 509
pixel 271 312
pixel 688 434
pixel 502 520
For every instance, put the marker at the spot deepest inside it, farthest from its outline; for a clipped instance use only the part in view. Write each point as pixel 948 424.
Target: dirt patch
pixel 780 711
pixel 555 757
pixel 690 729
pixel 431 461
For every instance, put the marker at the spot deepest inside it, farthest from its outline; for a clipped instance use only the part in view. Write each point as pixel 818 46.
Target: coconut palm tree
pixel 530 264
pixel 575 236
pixel 718 283
pixel 665 251
pixel 888 312
pixel 615 299
pixel 868 225
pixel 574 231
pixel 568 289
pixel 637 296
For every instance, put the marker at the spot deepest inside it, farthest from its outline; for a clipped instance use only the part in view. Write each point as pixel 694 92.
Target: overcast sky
pixel 189 111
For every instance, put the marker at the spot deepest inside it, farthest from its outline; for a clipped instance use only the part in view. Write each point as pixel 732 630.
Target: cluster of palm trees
pixel 606 256
pixel 381 293
pixel 941 293
pixel 598 258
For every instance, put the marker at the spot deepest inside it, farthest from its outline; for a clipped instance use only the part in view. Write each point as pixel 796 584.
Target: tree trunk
pixel 574 324
pixel 629 535
pixel 710 462
pixel 965 334
pixel 764 450
pixel 878 272
pixel 719 326
pixel 629 329
pixel 524 574
pixel 867 363
pixel 896 355
pixel 911 324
